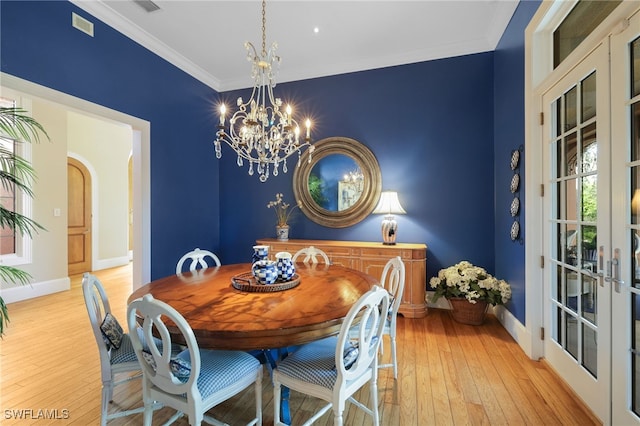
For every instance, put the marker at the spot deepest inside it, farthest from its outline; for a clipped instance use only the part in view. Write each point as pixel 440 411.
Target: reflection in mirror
pixel 341 185
pixel 335 182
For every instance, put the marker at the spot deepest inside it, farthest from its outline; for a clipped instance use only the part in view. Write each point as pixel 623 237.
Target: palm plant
pixel 17 176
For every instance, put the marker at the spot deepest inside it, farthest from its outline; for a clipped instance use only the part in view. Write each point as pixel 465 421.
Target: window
pixel 15 248
pixel 7 200
pixel 577 25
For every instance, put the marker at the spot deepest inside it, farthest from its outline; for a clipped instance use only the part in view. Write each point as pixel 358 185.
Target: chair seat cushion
pixel 219 369
pixel 313 363
pixel 124 353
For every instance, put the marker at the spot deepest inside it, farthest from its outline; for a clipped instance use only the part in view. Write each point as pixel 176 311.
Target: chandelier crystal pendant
pixel 261 131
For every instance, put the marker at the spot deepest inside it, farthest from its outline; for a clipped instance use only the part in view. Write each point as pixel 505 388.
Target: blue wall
pixel 39 44
pixel 430 125
pixel 435 128
pixel 509 136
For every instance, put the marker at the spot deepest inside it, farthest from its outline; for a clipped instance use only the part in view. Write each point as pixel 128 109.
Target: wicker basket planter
pixel 464 312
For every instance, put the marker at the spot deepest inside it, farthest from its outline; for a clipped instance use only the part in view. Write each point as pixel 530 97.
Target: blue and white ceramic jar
pixel 260 253
pixel 286 268
pixel 265 271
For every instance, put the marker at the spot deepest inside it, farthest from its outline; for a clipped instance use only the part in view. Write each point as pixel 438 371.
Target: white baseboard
pixel 514 327
pixel 110 263
pixel 16 294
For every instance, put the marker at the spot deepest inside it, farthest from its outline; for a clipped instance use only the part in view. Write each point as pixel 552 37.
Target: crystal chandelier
pixel 260 131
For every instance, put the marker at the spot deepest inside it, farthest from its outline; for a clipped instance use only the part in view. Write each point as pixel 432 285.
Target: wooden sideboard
pixel 370 257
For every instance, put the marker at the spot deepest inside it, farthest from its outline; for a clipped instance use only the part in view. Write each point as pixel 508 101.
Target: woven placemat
pixel 247 282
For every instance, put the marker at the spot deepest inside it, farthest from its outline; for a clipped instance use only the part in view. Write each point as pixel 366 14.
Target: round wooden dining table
pixel 223 317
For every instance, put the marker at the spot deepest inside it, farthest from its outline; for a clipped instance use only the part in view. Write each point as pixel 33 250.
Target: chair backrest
pixel 155 358
pixel 365 321
pixel 392 280
pixel 97 303
pixel 198 259
pixel 311 254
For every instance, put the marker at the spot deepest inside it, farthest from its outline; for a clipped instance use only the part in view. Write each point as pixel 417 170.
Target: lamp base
pixel 389 230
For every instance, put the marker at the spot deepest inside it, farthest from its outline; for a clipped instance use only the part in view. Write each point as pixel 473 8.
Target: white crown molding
pixel 120 23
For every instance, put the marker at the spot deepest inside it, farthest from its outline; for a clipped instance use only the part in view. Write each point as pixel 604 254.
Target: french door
pixel 592 171
pixel 577 305
pixel 625 283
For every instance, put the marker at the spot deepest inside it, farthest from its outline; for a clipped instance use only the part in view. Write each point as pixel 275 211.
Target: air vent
pixel 82 24
pixel 147 5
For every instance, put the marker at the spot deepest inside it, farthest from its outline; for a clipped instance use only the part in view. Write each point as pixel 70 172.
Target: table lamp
pixel 389 205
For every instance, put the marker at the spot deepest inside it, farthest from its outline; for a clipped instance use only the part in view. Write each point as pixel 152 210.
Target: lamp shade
pixel 389 204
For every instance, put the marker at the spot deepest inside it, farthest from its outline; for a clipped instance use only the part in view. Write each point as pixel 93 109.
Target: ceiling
pixel 205 38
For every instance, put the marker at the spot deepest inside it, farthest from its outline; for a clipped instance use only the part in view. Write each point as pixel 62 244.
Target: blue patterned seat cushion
pixel 220 369
pixel 124 353
pixel 313 363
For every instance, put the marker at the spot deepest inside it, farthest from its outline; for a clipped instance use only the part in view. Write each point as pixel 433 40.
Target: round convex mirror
pixel 341 185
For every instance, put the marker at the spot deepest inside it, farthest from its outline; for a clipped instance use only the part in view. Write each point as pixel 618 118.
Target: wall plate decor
pixel 515 206
pixel 515 230
pixel 515 159
pixel 515 182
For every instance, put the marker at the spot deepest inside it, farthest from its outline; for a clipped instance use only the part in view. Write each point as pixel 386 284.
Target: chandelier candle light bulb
pixel 260 131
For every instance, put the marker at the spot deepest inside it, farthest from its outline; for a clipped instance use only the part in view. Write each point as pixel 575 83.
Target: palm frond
pixel 16 124
pixel 16 221
pixel 4 316
pixel 16 174
pixel 9 274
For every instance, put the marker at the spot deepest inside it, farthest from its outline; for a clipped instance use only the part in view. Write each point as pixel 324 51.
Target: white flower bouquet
pixel 470 282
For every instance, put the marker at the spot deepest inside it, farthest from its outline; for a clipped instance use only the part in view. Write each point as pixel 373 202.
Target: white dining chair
pixel 392 280
pixel 117 356
pixel 198 259
pixel 311 255
pixel 195 380
pixel 333 369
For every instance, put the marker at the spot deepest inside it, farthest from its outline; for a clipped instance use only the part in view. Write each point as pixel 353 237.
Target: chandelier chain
pixel 264 28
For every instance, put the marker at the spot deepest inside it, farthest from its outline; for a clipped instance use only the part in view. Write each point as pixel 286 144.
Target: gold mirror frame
pixel 372 182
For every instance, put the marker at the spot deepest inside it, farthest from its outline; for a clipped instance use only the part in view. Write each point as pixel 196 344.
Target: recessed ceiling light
pixel 316 30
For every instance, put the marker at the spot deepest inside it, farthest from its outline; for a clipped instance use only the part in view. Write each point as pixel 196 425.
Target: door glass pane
pixel 588 88
pixel 571 330
pixel 635 68
pixel 635 130
pixel 635 260
pixel 572 245
pixel 589 298
pixel 570 108
pixel 556 319
pixel 571 291
pixel 589 198
pixel 589 247
pixel 571 154
pixel 635 196
pixel 570 199
pixel 589 350
pixel 557 289
pixel 589 159
pixel 559 170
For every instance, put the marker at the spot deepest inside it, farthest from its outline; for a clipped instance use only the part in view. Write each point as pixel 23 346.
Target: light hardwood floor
pixel 449 373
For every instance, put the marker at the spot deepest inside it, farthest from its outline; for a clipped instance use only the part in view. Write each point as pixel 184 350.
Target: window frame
pixel 23 252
